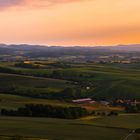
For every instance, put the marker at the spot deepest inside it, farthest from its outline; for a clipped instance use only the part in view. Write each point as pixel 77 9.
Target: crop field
pixel 110 81
pixel 31 86
pixel 104 81
pixel 30 81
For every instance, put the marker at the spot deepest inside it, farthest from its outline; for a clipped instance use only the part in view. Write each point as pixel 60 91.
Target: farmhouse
pixel 84 100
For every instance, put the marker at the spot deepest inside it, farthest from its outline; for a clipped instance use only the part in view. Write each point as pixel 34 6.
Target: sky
pixel 70 22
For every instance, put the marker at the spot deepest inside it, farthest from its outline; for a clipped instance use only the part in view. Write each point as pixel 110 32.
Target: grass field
pixel 110 80
pixel 110 128
pixel 8 101
pixel 30 81
pixel 31 86
pixel 128 121
pixel 23 138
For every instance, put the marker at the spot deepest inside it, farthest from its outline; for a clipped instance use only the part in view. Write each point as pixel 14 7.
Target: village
pixel 106 102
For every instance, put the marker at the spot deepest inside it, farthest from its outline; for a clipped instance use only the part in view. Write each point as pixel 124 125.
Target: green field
pixel 8 101
pixel 109 81
pixel 31 86
pixel 128 121
pixel 30 81
pixel 110 128
pixel 23 138
pixel 105 81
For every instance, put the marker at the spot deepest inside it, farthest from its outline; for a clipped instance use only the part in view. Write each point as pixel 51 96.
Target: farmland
pixel 105 81
pixel 57 84
pixel 9 101
pixel 115 128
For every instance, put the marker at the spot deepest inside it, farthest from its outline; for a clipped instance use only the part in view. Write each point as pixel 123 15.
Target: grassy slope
pixel 111 81
pixel 127 121
pixel 27 138
pixel 60 129
pixel 30 81
pixel 13 101
pixel 110 128
pixel 29 84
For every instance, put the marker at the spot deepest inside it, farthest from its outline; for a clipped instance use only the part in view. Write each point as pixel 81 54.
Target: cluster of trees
pixel 105 113
pixel 39 110
pixel 70 93
pixel 75 76
pixel 132 108
pixel 27 65
pixel 60 65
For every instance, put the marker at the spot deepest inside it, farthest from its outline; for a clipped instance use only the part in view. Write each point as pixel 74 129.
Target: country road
pixel 132 136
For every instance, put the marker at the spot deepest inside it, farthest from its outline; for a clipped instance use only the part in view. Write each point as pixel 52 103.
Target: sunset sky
pixel 70 22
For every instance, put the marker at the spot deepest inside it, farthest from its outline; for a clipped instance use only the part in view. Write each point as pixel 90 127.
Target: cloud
pixel 12 3
pixel 7 3
pixel 61 1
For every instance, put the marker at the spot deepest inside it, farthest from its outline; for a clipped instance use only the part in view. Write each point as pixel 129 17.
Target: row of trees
pixel 27 65
pixel 39 110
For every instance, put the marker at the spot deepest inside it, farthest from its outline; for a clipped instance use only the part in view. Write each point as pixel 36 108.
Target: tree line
pixel 132 108
pixel 39 110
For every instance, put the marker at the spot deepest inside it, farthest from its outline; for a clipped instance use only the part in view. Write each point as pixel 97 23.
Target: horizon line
pixel 45 45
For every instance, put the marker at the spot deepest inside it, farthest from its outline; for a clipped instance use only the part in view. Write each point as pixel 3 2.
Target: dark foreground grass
pixel 126 121
pixel 17 137
pixel 60 129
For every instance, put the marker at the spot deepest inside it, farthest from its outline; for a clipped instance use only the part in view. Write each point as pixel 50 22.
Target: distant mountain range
pixel 51 51
pixel 132 47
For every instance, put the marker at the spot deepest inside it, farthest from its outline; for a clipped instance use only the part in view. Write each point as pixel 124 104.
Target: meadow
pixel 31 85
pixel 109 81
pixel 9 101
pixel 110 128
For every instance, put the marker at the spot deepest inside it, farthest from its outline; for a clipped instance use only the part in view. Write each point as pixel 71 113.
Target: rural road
pixel 132 136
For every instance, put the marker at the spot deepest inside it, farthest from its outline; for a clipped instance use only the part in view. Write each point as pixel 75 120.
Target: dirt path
pixel 132 136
